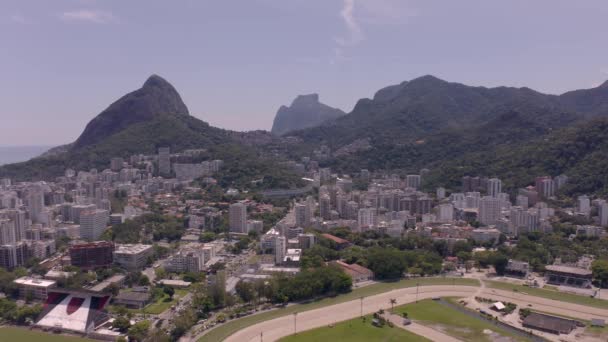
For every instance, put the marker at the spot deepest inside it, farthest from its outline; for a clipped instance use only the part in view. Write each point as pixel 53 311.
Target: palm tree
pixel 392 301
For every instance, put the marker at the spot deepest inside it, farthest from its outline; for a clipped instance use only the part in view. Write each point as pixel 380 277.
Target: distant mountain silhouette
pixel 305 111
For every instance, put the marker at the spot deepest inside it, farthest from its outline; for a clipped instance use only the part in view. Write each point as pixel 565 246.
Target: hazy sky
pixel 235 62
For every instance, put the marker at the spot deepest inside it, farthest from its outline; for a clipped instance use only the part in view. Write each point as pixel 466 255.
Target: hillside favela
pixel 303 171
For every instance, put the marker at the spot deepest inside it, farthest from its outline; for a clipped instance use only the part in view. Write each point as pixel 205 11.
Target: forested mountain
pixel 305 111
pixel 454 129
pixel 142 121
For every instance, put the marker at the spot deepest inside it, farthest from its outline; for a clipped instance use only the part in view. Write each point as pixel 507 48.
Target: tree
pixel 392 301
pixel 245 291
pixel 600 272
pixel 139 331
pixel 122 324
pixel 169 291
pixel 208 237
pixel 144 280
pixel 500 262
pixel 113 289
pixel 27 314
pixel 160 273
pixel 386 263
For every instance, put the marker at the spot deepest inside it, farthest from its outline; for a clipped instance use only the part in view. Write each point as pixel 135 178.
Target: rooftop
pixel 29 281
pixel 568 269
pixel 131 248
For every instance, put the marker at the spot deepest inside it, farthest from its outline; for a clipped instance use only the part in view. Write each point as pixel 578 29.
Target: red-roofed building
pixel 357 272
pixel 340 243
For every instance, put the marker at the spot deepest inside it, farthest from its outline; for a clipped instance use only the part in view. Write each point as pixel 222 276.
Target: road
pixel 284 326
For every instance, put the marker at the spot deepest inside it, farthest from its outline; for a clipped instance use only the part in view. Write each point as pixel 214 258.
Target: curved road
pixel 284 326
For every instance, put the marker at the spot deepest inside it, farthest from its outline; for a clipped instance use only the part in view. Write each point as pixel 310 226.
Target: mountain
pixel 455 130
pixel 155 98
pixel 305 111
pixel 424 105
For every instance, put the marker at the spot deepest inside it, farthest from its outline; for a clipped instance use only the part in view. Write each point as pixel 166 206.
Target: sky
pixel 235 62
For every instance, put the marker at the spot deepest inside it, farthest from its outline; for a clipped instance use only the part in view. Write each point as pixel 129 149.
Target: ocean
pixel 15 154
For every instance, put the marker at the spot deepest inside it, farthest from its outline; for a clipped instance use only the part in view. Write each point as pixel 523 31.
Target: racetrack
pixel 277 328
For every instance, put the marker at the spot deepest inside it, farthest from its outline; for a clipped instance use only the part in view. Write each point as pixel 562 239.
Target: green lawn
pixel 164 302
pixel 225 330
pixel 158 307
pixel 550 294
pixel 451 321
pixel 12 334
pixel 355 330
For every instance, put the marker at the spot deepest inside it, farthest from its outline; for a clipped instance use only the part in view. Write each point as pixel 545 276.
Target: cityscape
pixel 432 210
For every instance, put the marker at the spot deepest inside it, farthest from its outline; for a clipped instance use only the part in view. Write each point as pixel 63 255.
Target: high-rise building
pixel 560 181
pixel 489 210
pixel 93 223
pixel 494 187
pixel 164 161
pixel 325 207
pixel 92 255
pixel 440 193
pixel 602 211
pixel 7 232
pixel 14 255
pixel 445 213
pixel 237 217
pixel 545 186
pixel 367 217
pixel 116 164
pixel 35 202
pixel 302 213
pixel 584 205
pixel 413 181
pixel 279 249
pixel 521 201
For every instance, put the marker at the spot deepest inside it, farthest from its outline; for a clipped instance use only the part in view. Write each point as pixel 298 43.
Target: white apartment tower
pixel 494 187
pixel 367 217
pixel 279 249
pixel 602 211
pixel 413 181
pixel 446 212
pixel 93 223
pixel 584 204
pixel 489 210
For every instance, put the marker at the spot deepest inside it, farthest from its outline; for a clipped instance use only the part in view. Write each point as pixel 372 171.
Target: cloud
pixel 354 33
pixel 356 13
pixel 18 18
pixel 87 15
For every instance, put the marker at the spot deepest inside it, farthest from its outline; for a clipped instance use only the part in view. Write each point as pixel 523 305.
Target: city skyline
pixel 235 63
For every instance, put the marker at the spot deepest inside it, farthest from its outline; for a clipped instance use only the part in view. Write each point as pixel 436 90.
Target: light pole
pixel 295 329
pixel 417 284
pixel 361 298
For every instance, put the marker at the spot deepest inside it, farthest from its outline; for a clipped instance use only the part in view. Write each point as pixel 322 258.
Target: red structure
pixel 92 255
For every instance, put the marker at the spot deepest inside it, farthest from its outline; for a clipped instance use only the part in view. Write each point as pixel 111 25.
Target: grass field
pixel 225 330
pixel 550 294
pixel 355 330
pixel 451 321
pixel 164 302
pixel 12 334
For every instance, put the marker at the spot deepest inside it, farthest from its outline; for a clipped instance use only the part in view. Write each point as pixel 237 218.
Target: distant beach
pixel 15 154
